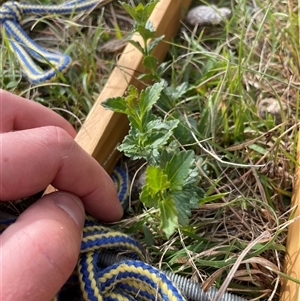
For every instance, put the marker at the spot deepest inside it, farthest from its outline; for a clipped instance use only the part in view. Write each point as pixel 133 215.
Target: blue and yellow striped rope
pixel 137 278
pixel 28 52
pixel 126 280
pixel 130 279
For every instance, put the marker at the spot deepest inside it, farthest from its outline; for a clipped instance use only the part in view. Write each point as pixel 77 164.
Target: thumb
pixel 40 250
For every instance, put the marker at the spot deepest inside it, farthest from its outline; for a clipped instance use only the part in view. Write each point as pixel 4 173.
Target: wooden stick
pixel 103 130
pixel 290 291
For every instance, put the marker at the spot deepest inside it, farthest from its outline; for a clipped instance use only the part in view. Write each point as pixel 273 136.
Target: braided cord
pixel 87 270
pixel 115 240
pixel 96 236
pixel 121 180
pixel 140 280
pixel 26 50
pixel 126 280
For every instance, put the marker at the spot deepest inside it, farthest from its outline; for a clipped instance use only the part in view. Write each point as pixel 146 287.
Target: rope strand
pixel 29 53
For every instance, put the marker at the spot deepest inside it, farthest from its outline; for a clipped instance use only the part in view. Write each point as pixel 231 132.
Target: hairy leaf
pixel 156 179
pixel 116 104
pixel 169 216
pixel 185 201
pixel 140 13
pixel 154 43
pixel 150 62
pixel 156 183
pixel 137 45
pixel 149 97
pixel 145 32
pixel 178 169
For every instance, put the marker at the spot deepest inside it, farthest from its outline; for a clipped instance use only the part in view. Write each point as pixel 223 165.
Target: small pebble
pixel 207 15
pixel 271 106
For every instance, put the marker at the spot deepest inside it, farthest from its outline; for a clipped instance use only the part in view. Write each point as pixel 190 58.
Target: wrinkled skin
pixel 40 250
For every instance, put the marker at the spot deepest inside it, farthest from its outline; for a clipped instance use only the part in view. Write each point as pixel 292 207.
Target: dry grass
pixel 230 71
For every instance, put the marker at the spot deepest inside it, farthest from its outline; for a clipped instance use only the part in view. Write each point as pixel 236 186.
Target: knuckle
pixel 58 137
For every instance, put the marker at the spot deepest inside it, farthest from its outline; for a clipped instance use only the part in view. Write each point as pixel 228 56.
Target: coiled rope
pixel 129 279
pixel 29 53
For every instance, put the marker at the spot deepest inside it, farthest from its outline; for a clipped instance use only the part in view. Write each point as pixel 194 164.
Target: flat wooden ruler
pixel 290 290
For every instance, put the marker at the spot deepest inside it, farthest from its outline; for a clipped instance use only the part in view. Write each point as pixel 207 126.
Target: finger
pixel 32 159
pixel 40 250
pixel 17 113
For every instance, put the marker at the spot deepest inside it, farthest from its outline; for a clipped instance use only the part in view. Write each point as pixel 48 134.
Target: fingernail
pixel 72 206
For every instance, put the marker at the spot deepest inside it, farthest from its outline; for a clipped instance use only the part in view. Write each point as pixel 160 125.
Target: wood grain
pixel 290 291
pixel 103 130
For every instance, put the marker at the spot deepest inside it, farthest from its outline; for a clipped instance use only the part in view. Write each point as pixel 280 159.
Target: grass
pixel 224 73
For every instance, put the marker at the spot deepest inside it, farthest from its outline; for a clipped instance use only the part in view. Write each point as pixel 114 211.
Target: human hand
pixel 40 250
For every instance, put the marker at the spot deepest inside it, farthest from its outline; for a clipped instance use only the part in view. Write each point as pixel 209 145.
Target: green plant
pixel 211 82
pixel 140 14
pixel 170 176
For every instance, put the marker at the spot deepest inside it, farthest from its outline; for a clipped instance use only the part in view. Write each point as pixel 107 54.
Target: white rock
pixel 207 15
pixel 273 107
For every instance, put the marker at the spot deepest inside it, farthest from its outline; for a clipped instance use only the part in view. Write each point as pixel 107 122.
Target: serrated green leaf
pixel 132 91
pixel 154 43
pixel 160 133
pixel 137 45
pixel 148 236
pixel 134 122
pixel 159 125
pixel 178 92
pixel 136 146
pixel 162 67
pixel 182 131
pixel 116 104
pixel 168 214
pixel 183 207
pixel 156 182
pixel 148 9
pixel 150 62
pixel 185 201
pixel 146 76
pixel 149 97
pixel 156 179
pixel 147 199
pixel 140 13
pixel 132 99
pixel 165 157
pixel 130 145
pixel 192 177
pixel 145 32
pixel 159 139
pixel 129 9
pixel 149 26
pixel 147 118
pixel 178 168
pixel 150 6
